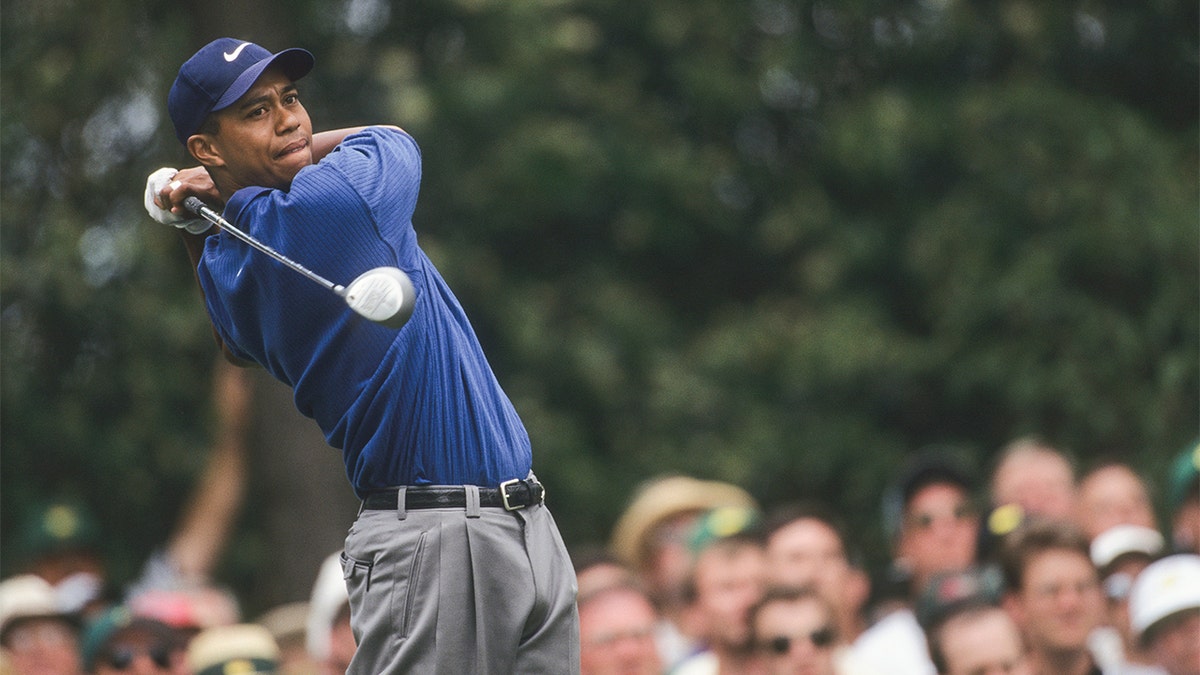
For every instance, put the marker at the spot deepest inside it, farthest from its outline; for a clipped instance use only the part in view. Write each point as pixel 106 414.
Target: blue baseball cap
pixel 219 74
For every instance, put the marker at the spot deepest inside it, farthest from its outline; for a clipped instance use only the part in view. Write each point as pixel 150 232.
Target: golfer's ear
pixel 201 147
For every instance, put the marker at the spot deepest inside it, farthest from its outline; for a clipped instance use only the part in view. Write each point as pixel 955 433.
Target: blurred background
pixel 780 243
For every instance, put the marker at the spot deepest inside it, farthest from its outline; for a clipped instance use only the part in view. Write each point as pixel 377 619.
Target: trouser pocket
pixel 385 584
pixel 412 587
pixel 357 572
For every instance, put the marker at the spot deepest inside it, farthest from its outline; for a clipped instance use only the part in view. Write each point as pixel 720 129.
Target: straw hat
pixel 240 649
pixel 664 498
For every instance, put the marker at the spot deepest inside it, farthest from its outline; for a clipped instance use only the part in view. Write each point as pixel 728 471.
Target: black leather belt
pixel 511 495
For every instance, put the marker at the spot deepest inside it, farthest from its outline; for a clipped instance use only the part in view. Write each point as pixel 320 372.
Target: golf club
pixel 384 295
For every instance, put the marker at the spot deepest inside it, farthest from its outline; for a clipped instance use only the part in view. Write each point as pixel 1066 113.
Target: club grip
pixel 197 207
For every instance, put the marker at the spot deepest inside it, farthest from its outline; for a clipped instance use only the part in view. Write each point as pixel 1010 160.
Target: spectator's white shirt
pixel 673 646
pixel 895 645
pixel 1108 651
pixel 704 663
pixel 847 662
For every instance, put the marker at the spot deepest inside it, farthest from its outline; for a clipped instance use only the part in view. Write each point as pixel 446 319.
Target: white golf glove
pixel 155 182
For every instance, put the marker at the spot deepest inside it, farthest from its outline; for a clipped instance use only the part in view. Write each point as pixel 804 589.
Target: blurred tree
pixel 781 243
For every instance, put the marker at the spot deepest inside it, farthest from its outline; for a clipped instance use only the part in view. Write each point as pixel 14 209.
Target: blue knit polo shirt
pixel 414 406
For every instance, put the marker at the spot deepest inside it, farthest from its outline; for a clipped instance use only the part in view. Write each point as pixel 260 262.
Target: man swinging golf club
pixel 454 564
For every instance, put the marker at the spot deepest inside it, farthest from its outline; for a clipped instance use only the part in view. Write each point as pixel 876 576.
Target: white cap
pixel 329 596
pixel 1122 539
pixel 1165 587
pixel 245 649
pixel 27 596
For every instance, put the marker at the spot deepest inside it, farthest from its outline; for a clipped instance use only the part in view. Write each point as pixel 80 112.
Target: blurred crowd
pixel 1036 567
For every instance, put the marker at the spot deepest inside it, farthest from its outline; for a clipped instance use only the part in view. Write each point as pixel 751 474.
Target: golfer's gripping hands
pixel 155 184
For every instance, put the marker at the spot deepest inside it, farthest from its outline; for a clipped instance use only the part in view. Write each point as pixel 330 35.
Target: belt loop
pixel 472 494
pixel 401 498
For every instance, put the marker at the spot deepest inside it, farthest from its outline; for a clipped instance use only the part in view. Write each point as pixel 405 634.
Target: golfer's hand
pixel 167 188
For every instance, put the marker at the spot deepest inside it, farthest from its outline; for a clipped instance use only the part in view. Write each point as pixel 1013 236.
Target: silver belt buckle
pixel 504 495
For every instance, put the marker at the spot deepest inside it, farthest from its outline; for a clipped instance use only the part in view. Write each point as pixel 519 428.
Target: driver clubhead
pixel 384 295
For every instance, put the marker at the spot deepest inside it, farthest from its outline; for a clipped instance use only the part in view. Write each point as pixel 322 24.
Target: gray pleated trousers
pixel 461 591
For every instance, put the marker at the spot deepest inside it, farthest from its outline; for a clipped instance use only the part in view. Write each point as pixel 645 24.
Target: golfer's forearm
pixel 324 142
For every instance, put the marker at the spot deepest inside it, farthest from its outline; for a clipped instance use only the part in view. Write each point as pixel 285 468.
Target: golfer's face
pixel 266 137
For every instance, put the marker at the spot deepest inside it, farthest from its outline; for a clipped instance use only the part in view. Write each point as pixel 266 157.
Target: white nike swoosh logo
pixel 233 57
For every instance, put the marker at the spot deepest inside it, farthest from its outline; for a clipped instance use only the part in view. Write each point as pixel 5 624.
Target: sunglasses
pixel 924 521
pixel 782 644
pixel 122 657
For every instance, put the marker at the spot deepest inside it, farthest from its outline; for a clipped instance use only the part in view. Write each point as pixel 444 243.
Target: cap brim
pixel 295 63
pixel 70 619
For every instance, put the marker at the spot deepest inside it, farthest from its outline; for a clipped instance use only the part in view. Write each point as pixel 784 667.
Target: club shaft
pixel 198 207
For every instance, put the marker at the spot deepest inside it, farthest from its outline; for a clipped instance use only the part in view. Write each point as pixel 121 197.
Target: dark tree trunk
pixel 298 487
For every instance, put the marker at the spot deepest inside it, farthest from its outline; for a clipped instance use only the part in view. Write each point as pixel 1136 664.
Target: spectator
pixel 241 649
pixel 796 631
pixel 60 542
pixel 1031 479
pixel 806 547
pixel 596 568
pixel 330 640
pixel 950 599
pixel 1113 494
pixel 1164 611
pixel 726 580
pixel 176 585
pixel 287 624
pixel 1037 478
pixel 932 520
pixel 1120 554
pixel 1052 591
pixel 933 525
pixel 36 636
pixel 188 607
pixel 1183 499
pixel 948 592
pixel 119 642
pixel 616 631
pixel 977 639
pixel 651 538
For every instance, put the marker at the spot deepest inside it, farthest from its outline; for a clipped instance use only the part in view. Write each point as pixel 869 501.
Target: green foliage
pixel 778 243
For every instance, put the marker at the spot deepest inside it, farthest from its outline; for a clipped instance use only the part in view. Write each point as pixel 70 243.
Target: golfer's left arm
pixel 196 182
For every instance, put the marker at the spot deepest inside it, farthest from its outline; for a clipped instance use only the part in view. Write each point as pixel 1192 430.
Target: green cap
pixel 1184 476
pixel 722 522
pixel 61 525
